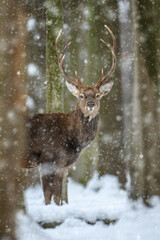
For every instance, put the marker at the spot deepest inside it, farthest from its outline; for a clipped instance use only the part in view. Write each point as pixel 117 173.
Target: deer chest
pixel 83 135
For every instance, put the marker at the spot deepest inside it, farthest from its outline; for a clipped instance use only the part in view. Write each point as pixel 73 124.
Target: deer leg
pixel 47 196
pixel 47 188
pixel 52 186
pixel 57 191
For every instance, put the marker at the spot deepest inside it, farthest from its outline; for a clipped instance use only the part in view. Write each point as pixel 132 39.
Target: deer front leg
pixel 58 182
pixel 51 184
pixel 47 183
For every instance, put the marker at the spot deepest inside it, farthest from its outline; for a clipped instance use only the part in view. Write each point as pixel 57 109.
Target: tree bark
pixel 126 68
pixel 12 112
pixel 144 167
pixel 54 92
pixel 36 56
pixel 111 159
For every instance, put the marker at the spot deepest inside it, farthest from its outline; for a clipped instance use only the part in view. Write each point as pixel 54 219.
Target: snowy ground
pixel 87 213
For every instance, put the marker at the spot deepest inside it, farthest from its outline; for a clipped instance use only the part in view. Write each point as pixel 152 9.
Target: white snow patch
pixel 101 199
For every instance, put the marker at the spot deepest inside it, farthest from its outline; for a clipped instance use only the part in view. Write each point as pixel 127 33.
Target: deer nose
pixel 90 104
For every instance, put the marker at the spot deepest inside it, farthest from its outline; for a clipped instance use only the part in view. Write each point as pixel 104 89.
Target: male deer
pixel 57 139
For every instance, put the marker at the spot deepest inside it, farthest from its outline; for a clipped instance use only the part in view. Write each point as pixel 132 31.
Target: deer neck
pixel 83 125
pixel 86 120
pixel 86 129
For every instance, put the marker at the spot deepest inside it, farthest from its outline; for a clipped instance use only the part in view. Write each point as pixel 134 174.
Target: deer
pixel 56 140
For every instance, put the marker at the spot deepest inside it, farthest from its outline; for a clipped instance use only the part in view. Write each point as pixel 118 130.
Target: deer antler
pixel 103 78
pixel 61 55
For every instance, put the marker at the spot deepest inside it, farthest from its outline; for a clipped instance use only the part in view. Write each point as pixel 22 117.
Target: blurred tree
pixel 35 74
pixel 144 167
pixel 126 68
pixel 36 56
pixel 155 11
pixel 12 112
pixel 111 130
pixel 156 31
pixel 54 92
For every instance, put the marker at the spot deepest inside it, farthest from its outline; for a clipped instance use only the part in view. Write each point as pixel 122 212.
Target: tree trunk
pixel 111 130
pixel 35 67
pixel 12 112
pixel 126 67
pixel 156 22
pixel 36 56
pixel 54 92
pixel 144 169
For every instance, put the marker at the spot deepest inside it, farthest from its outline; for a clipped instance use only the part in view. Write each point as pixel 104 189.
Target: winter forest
pixel 113 190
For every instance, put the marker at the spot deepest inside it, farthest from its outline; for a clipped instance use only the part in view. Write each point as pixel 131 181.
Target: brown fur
pixel 55 142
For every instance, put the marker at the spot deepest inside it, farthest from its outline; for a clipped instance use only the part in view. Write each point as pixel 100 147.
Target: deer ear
pixel 72 88
pixel 106 88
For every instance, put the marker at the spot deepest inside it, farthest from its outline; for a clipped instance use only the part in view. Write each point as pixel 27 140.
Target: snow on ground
pixel 102 199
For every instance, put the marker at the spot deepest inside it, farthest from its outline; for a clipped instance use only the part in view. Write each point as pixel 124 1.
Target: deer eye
pixel 81 96
pixel 97 95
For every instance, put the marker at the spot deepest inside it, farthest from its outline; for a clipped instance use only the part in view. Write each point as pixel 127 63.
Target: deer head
pixel 88 96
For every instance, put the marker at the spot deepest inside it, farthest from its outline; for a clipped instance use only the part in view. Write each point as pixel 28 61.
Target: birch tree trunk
pixel 126 67
pixel 12 113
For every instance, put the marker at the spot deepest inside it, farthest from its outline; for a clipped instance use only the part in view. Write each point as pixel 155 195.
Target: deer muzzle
pixel 90 106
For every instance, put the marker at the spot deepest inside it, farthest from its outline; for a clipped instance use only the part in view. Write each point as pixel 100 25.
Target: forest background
pixel 128 143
